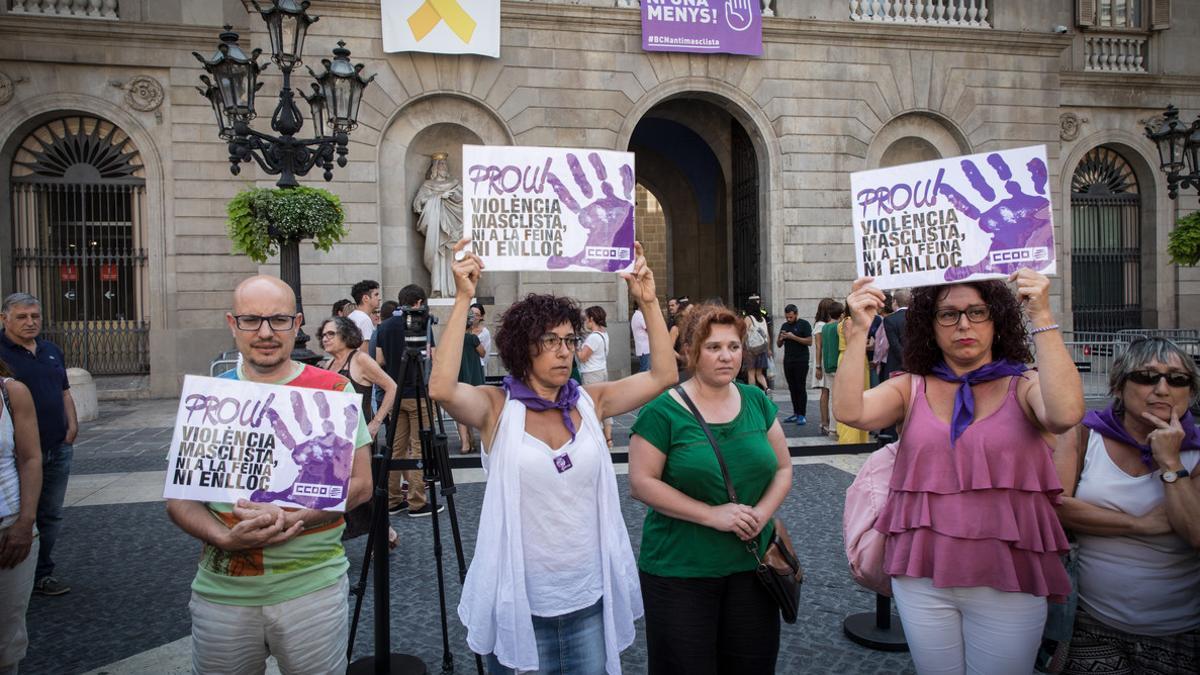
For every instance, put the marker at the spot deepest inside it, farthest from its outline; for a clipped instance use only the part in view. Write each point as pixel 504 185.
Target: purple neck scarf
pixel 1108 424
pixel 964 400
pixel 567 396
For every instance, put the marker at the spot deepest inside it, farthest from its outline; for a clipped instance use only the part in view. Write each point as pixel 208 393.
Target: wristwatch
pixel 1172 476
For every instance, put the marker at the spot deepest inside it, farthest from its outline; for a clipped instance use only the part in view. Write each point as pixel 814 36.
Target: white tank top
pixel 560 523
pixel 1145 585
pixel 10 480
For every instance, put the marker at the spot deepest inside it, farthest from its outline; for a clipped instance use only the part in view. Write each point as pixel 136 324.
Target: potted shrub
pixel 1184 242
pixel 262 220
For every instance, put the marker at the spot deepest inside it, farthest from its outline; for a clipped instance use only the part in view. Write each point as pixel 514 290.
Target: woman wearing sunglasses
pixel 1132 499
pixel 972 542
pixel 553 586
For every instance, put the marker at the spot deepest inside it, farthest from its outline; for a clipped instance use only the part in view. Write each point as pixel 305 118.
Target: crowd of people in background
pixel 1011 516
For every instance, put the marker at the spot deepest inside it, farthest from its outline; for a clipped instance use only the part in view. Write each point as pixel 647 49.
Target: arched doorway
pixel 1106 249
pixel 699 167
pixel 79 242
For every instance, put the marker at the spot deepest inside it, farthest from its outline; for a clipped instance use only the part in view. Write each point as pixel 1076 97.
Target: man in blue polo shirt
pixel 40 366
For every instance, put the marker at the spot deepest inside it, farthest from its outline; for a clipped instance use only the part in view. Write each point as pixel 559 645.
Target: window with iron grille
pixel 1106 248
pixel 78 195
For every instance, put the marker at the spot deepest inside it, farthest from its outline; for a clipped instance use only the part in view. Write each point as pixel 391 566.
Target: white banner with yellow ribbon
pixel 442 26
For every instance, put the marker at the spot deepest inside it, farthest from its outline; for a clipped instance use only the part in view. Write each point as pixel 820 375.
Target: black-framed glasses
pixel 950 317
pixel 550 342
pixel 328 335
pixel 1174 379
pixel 253 322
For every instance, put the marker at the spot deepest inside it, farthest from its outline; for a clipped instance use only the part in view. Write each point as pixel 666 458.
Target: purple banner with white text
pixel 547 209
pixel 702 26
pixel 964 218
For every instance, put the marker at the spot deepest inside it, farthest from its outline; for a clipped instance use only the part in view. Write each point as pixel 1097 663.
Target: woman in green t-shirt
pixel 706 612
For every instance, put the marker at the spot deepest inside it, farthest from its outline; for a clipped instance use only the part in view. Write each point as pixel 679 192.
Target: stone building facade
pixel 114 181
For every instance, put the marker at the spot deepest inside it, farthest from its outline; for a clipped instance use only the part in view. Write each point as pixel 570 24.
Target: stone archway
pixel 706 114
pixel 1154 211
pixel 434 123
pixel 915 137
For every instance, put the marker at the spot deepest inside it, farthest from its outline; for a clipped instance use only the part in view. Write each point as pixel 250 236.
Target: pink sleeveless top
pixel 980 513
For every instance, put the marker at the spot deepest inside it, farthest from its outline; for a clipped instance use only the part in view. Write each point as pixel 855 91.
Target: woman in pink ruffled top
pixel 973 543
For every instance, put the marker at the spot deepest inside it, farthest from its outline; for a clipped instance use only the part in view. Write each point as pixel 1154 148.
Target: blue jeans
pixel 643 363
pixel 571 644
pixel 56 470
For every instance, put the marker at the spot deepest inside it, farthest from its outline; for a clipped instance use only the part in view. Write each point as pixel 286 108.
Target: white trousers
pixel 975 630
pixel 306 635
pixel 15 586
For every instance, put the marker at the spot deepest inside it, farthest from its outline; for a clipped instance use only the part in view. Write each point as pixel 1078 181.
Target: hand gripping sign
pixel 541 209
pixel 244 440
pixel 965 218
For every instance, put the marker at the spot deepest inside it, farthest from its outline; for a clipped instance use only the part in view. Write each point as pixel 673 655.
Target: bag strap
pixel 1081 443
pixel 711 440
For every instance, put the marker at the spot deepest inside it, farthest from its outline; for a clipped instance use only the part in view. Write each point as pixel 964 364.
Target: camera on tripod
pixel 417 322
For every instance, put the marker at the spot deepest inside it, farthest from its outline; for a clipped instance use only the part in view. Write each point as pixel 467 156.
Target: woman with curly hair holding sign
pixel 553 584
pixel 972 539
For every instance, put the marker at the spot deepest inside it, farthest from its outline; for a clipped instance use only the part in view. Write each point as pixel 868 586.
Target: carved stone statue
pixel 439 205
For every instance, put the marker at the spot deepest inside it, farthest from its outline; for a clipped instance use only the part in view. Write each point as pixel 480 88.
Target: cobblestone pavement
pixel 130 571
pixel 130 568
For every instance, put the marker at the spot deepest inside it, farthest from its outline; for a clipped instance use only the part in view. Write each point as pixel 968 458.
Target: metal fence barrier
pixel 224 363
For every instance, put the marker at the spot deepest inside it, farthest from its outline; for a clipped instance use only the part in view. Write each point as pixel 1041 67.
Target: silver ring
pixel 459 255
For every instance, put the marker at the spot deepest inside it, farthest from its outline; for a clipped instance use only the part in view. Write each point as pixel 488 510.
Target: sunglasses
pixel 1151 377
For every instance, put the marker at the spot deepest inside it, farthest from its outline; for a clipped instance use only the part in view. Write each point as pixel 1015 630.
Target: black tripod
pixel 435 467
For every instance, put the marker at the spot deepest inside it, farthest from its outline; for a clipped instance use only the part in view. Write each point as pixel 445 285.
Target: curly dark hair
pixel 527 320
pixel 1010 340
pixel 346 329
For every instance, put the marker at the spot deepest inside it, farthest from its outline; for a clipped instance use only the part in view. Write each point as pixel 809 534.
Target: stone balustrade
pixel 1115 53
pixel 88 9
pixel 961 13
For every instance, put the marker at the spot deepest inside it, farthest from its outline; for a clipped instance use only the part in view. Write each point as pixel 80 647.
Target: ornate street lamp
pixel 334 102
pixel 1178 150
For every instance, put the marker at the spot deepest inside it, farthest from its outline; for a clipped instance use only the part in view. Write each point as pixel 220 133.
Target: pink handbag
pixel 865 498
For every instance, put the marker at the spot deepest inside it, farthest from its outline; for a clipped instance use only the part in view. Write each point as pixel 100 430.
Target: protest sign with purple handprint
pixel 956 219
pixel 244 440
pixel 540 209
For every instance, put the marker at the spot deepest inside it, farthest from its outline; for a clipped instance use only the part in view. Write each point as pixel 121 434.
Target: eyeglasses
pixel 253 322
pixel 328 335
pixel 950 317
pixel 1151 377
pixel 550 342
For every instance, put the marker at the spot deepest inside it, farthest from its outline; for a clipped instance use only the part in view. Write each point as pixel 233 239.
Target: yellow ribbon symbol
pixel 433 12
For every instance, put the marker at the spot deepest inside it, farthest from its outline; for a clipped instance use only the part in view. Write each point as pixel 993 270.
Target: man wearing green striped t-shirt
pixel 271 581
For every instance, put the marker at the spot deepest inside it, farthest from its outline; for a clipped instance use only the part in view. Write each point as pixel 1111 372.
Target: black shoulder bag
pixel 778 569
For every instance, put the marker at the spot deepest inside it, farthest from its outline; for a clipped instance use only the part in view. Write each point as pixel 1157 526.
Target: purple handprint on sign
pixel 324 458
pixel 608 219
pixel 1016 222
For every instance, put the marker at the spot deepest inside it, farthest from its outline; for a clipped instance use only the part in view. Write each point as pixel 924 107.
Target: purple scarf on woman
pixel 1108 424
pixel 964 400
pixel 567 396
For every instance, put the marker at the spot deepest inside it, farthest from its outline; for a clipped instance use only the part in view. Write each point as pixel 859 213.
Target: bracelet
pixel 1043 329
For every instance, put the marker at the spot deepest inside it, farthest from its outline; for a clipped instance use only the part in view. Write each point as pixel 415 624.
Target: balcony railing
pixel 1115 53
pixel 962 13
pixel 87 9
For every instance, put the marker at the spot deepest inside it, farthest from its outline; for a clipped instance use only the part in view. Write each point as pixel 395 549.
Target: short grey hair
pixel 1144 350
pixel 18 300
